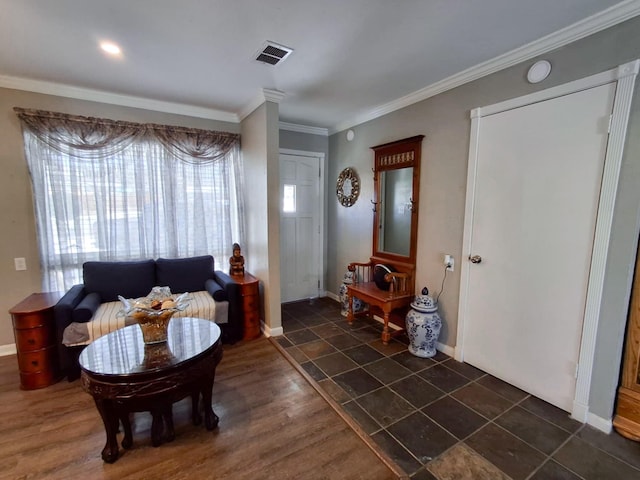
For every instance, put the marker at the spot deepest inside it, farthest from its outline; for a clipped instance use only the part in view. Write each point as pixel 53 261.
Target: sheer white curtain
pixel 106 190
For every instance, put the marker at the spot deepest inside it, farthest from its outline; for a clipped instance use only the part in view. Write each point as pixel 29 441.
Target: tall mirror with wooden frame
pixel 396 196
pixel 386 283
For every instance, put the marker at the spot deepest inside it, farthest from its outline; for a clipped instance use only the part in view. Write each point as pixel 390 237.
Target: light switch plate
pixel 20 263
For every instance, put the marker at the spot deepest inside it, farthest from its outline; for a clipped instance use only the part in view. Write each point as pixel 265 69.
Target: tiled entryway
pixel 438 418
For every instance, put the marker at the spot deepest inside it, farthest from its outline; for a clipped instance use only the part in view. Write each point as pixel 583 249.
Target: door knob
pixel 475 258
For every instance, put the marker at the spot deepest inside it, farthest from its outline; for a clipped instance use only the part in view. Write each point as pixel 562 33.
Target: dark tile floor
pixel 438 418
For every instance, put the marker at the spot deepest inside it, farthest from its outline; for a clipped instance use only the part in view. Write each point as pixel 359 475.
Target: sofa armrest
pixel 62 314
pixel 235 327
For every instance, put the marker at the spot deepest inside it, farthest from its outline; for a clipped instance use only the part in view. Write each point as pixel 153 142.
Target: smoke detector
pixel 273 54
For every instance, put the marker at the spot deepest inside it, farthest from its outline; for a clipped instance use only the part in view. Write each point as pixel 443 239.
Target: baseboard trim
pixel 580 412
pixel 333 296
pixel 446 349
pixel 600 423
pixel 271 332
pixel 9 349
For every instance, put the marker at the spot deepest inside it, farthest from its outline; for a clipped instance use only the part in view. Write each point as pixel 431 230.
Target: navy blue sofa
pixel 104 281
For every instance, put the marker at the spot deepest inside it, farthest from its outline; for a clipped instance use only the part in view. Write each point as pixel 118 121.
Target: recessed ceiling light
pixel 110 48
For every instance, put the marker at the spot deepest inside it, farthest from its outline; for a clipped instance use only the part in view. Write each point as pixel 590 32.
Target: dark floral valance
pixel 84 137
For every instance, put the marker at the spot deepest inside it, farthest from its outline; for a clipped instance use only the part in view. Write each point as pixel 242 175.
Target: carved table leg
pixel 210 418
pixel 156 427
pixel 196 418
pixel 127 441
pixel 110 420
pixel 386 333
pixel 168 421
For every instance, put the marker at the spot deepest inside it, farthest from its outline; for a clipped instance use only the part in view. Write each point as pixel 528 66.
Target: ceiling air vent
pixel 273 54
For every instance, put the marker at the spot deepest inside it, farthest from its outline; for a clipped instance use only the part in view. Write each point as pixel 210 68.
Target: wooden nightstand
pixel 250 304
pixel 35 333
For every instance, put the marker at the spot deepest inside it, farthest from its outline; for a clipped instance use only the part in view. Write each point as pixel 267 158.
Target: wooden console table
pixel 249 289
pixel 397 298
pixel 35 334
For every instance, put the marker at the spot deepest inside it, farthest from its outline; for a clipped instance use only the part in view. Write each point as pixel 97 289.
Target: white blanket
pixel 108 318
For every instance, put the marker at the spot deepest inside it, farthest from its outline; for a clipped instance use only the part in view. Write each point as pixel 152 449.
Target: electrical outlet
pixel 20 263
pixel 449 262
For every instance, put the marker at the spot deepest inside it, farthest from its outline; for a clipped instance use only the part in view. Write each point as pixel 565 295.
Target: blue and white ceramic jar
pixel 347 279
pixel 423 325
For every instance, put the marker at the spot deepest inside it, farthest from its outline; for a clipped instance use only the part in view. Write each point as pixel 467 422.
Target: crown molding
pixel 294 127
pixel 275 96
pixel 596 23
pixel 265 95
pixel 79 93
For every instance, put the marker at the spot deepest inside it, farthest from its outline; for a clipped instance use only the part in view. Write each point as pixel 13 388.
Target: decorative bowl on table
pixel 154 312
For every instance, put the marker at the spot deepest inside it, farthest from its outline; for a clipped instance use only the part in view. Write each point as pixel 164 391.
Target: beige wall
pixel 444 120
pixel 259 133
pixel 18 237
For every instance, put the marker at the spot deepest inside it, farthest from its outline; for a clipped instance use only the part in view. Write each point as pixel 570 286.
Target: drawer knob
pixel 31 341
pixel 34 363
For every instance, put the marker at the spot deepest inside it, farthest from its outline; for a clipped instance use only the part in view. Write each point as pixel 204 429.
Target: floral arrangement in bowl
pixel 153 312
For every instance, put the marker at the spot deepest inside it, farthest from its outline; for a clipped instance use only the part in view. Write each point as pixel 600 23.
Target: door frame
pixel 625 76
pixel 321 220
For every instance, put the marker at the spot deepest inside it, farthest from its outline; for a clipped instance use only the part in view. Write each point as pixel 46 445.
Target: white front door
pixel 300 233
pixel 537 186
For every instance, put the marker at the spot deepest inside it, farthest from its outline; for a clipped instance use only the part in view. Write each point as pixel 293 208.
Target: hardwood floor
pixel 273 425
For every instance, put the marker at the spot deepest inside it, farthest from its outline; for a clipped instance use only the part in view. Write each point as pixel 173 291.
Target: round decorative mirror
pixel 348 187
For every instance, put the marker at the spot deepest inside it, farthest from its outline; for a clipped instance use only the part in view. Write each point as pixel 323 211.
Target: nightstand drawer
pixel 250 289
pixel 31 339
pixel 33 319
pixel 31 381
pixel 37 361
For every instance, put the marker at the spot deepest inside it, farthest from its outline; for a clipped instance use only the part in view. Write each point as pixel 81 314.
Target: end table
pixel 249 289
pixel 35 334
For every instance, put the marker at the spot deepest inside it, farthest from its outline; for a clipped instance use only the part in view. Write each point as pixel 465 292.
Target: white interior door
pixel 300 207
pixel 538 179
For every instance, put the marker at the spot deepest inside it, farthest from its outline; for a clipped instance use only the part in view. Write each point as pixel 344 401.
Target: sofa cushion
pixel 110 279
pixel 184 274
pixel 86 308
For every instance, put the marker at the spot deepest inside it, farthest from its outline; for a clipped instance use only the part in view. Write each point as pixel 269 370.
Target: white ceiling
pixel 351 58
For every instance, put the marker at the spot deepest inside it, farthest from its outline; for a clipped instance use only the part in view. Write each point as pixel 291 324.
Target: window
pixel 107 190
pixel 289 199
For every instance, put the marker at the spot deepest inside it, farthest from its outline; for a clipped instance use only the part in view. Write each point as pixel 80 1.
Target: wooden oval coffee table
pixel 124 375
